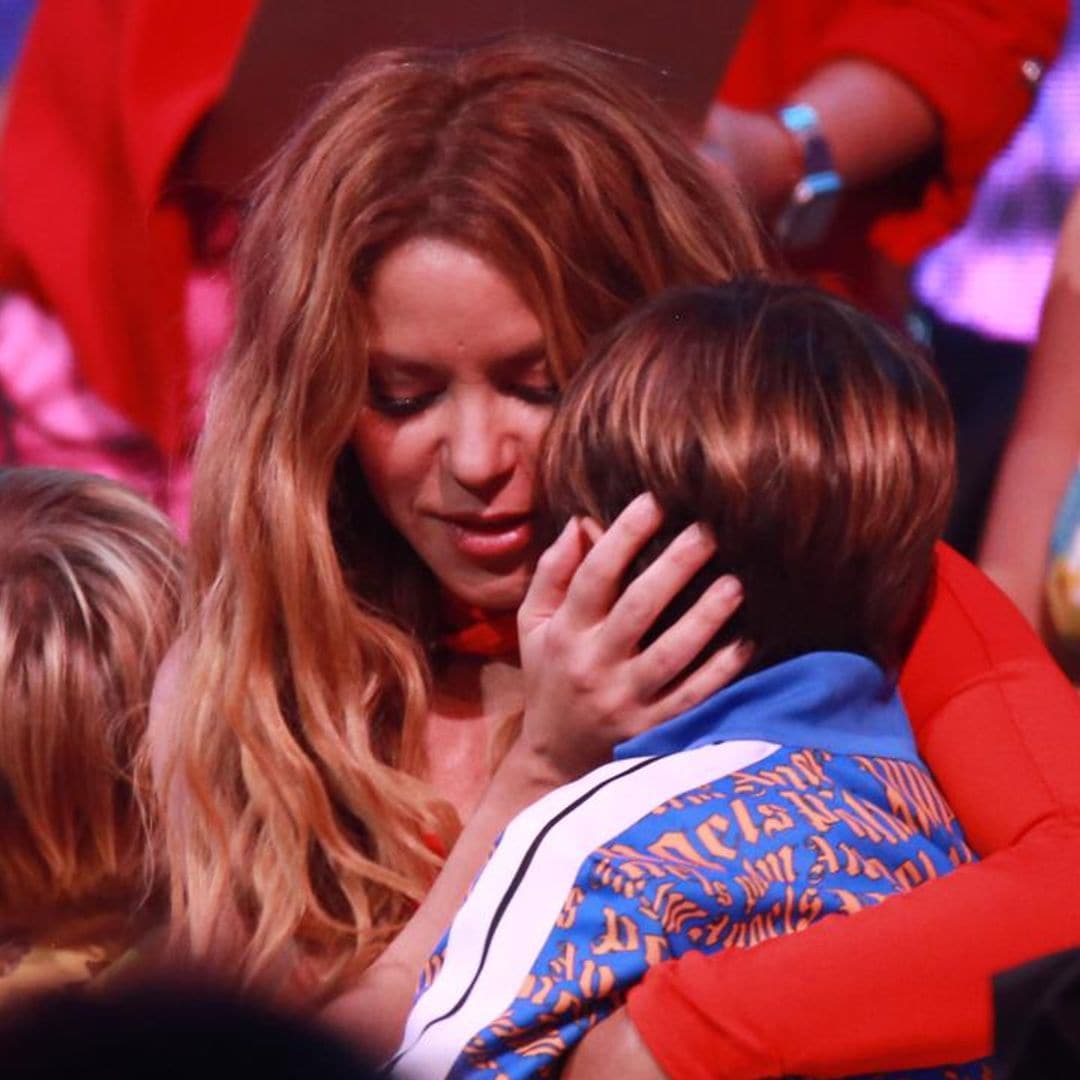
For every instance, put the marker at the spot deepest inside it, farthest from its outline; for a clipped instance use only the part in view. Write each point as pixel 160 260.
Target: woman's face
pixel 460 397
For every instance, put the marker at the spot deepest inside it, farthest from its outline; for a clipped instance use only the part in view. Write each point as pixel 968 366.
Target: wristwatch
pixel 812 203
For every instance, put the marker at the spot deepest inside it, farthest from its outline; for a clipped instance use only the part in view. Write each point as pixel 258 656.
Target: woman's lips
pixel 490 538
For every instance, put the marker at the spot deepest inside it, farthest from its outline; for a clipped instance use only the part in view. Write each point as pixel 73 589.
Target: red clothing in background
pixel 105 96
pixel 971 61
pixel 108 91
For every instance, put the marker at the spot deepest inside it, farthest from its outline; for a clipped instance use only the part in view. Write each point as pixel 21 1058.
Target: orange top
pixel 471 631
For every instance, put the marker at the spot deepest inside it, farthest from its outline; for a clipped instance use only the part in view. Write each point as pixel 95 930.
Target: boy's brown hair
pixel 816 443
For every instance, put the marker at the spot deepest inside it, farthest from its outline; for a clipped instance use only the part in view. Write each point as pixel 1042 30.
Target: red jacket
pixel 908 983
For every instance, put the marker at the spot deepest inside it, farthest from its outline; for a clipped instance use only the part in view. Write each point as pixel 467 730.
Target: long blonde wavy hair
pixel 304 840
pixel 89 601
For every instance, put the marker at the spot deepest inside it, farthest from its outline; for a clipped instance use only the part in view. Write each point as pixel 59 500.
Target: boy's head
pixel 814 442
pixel 89 578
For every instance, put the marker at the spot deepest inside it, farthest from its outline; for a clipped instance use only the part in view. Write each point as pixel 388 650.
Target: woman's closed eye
pixel 528 376
pixel 401 388
pixel 410 404
pixel 398 404
pixel 536 394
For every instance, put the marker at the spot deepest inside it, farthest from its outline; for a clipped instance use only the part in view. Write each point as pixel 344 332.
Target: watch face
pixel 799 118
pixel 809 214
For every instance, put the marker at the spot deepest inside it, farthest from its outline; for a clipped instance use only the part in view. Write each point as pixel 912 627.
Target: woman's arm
pixel 373 1013
pixel 906 983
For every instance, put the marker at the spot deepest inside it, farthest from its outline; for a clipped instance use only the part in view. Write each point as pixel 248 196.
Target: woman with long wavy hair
pixel 306 685
pixel 425 261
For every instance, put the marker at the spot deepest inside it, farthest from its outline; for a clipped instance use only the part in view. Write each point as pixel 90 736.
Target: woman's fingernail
pixel 704 535
pixel 645 504
pixel 591 528
pixel 571 528
pixel 728 588
pixel 697 535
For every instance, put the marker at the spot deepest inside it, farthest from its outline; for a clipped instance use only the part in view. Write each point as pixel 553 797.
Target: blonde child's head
pixel 89 578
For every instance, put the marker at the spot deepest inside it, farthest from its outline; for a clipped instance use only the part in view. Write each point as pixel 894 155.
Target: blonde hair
pixel 304 701
pixel 89 598
pixel 816 443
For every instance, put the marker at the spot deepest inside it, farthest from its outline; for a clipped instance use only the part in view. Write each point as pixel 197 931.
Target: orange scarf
pixel 472 631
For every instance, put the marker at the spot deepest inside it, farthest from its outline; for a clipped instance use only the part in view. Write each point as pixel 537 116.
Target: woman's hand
pixel 588 686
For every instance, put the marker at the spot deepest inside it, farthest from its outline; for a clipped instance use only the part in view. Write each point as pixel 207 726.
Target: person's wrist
pixel 782 158
pixel 534 767
pixel 758 151
pixel 806 218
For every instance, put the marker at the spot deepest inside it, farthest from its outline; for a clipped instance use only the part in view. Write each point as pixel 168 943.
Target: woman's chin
pixel 503 593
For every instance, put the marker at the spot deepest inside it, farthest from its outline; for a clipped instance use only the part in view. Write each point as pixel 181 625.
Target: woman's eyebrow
pixel 402 363
pixel 522 358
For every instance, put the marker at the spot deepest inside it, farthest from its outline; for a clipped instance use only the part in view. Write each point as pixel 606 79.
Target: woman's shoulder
pixel 165 700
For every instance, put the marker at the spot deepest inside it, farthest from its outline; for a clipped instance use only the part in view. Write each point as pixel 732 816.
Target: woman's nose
pixel 478 451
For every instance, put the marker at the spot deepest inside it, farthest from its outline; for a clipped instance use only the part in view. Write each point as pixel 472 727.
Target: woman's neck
pixel 472 703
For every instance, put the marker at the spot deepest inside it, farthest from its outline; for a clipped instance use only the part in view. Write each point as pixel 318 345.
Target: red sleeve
pixel 967 59
pixel 104 97
pixel 974 64
pixel 908 983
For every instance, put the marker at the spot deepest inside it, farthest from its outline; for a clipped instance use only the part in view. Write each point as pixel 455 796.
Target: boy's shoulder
pixel 539 893
pixel 782 818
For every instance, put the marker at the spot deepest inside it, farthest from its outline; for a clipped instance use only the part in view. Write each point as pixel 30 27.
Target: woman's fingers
pixel 669 656
pixel 593 529
pixel 597 583
pixel 654 588
pixel 718 671
pixel 554 571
